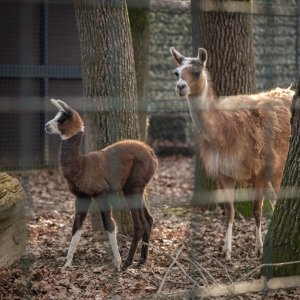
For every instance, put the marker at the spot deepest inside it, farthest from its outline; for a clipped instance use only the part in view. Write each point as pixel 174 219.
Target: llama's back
pixel 131 163
pixel 268 110
pixel 272 99
pixel 262 124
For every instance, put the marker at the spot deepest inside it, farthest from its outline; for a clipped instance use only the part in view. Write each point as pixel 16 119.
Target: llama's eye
pixel 196 73
pixel 176 73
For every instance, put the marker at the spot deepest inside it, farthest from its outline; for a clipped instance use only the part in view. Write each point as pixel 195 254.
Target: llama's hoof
pixel 125 265
pixel 117 264
pixel 259 251
pixel 141 262
pixel 65 266
pixel 227 254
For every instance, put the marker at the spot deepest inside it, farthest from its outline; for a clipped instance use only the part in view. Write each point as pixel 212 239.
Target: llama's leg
pixel 81 208
pixel 147 233
pixel 257 213
pixel 269 192
pixel 228 197
pixel 134 199
pixel 110 227
pixel 276 183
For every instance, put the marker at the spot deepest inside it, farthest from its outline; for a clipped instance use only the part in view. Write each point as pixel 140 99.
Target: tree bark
pixel 282 243
pixel 139 23
pixel 226 34
pixel 227 37
pixel 12 220
pixel 109 78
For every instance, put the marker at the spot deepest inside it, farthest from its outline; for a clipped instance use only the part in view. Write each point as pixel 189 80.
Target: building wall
pixel 276 42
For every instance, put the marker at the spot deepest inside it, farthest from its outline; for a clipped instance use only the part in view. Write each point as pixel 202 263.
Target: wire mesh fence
pixel 40 59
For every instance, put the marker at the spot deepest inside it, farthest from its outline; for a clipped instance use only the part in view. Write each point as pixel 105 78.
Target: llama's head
pixel 190 72
pixel 67 121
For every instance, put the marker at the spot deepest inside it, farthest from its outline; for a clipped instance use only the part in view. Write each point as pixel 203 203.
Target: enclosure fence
pixel 41 60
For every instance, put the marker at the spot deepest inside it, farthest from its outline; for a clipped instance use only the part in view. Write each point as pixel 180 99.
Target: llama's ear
pixel 202 55
pixel 65 107
pixel 54 102
pixel 61 106
pixel 176 55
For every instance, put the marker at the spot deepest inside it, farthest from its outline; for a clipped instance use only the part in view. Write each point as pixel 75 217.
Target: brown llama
pixel 124 167
pixel 242 138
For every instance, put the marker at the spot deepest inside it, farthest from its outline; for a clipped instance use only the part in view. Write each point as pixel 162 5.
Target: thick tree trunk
pixel 139 23
pixel 108 78
pixel 226 34
pixel 12 220
pixel 282 243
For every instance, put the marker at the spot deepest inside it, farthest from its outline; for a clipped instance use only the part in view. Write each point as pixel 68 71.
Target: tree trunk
pixel 12 220
pixel 108 78
pixel 226 34
pixel 139 23
pixel 227 37
pixel 282 243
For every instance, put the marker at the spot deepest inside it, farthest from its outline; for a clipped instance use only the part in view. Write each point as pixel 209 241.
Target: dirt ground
pixel 196 237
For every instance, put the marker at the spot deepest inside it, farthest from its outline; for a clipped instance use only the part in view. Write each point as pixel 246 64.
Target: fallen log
pixel 12 220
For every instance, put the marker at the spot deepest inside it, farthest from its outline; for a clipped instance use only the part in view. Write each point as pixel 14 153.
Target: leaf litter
pixel 199 236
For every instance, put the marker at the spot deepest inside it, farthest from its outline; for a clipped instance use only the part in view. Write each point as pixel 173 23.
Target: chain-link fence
pixel 40 59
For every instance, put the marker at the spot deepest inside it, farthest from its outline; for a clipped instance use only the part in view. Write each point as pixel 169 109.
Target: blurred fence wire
pixel 40 59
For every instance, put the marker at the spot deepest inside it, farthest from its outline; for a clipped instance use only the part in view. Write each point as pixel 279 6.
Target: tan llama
pixel 241 138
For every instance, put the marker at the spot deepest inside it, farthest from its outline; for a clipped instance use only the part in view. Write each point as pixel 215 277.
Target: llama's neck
pixel 69 157
pixel 202 107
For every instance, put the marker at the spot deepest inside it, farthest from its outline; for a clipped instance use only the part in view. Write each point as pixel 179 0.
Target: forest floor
pixel 195 237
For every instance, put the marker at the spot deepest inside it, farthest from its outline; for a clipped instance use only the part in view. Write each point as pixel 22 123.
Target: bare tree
pixel 226 34
pixel 139 23
pixel 282 243
pixel 109 78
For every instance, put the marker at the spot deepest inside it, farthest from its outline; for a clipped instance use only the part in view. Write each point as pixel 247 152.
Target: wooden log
pixel 12 220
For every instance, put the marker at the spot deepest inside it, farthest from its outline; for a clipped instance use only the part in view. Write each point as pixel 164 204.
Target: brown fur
pixel 71 126
pixel 124 167
pixel 241 138
pixel 119 167
pixel 245 137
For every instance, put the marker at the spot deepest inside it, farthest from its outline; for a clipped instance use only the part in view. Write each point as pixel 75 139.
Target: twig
pixel 220 264
pixel 18 288
pixel 268 265
pixel 153 273
pixel 198 267
pixel 199 270
pixel 160 278
pixel 235 289
pixel 208 273
pixel 141 274
pixel 169 269
pixel 223 266
pixel 177 263
pixel 217 261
